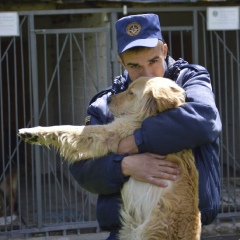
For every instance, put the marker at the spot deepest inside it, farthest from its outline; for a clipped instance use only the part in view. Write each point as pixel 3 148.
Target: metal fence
pixel 47 77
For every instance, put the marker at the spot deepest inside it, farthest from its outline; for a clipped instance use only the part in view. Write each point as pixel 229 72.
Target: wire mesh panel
pixel 226 60
pixel 47 78
pixel 221 56
pixel 65 86
pixel 13 100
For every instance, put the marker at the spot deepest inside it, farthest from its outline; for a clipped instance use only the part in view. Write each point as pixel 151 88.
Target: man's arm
pixel 100 176
pixel 195 123
pixel 104 175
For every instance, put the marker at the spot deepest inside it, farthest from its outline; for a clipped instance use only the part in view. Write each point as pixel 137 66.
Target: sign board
pixel 9 24
pixel 223 18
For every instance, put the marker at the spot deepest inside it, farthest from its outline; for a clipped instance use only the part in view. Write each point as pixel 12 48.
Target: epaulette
pixel 87 120
pixel 100 94
pixel 120 84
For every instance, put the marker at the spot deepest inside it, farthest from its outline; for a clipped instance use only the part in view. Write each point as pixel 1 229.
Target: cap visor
pixel 150 42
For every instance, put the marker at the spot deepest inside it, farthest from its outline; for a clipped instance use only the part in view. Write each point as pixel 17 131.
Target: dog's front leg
pixel 81 142
pixel 74 142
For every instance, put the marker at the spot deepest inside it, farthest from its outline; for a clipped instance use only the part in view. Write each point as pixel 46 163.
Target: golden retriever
pixel 148 212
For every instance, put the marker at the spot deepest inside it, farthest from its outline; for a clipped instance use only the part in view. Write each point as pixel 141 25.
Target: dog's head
pixel 147 97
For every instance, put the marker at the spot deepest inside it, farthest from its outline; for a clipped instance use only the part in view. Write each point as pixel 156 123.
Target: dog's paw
pixel 29 135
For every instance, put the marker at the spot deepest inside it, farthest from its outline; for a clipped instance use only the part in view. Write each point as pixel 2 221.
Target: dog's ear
pixel 150 108
pixel 165 96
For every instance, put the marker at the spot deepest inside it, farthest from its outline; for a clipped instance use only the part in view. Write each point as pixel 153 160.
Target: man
pixel 194 125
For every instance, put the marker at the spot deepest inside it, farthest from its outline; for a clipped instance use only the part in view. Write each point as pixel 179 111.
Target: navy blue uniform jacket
pixel 195 125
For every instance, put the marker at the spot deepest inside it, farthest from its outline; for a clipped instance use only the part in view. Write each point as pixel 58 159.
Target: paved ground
pixel 224 231
pixel 226 237
pixel 85 236
pixel 103 236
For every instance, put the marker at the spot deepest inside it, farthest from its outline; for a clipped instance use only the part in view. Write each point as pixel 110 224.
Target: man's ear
pixel 165 49
pixel 120 61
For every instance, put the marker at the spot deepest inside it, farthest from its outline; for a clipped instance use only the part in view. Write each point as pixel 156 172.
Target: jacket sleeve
pixel 102 175
pixel 195 123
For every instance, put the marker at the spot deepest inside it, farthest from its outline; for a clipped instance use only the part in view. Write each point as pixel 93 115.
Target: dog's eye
pixel 130 93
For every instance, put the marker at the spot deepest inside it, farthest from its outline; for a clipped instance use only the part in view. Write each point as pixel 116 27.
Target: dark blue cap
pixel 138 30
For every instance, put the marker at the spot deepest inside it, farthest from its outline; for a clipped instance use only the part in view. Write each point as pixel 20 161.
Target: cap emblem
pixel 133 29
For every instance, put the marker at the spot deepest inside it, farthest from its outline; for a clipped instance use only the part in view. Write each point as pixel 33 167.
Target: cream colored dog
pixel 148 212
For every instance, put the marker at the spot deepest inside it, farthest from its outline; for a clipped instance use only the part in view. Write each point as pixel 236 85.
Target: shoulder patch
pixel 87 120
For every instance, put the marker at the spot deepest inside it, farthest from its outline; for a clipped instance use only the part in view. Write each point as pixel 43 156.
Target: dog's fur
pixel 148 212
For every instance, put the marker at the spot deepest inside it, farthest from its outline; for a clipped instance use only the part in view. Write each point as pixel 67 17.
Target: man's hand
pixel 150 168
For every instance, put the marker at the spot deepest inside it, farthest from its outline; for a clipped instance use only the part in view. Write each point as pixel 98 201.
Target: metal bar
pixel 182 45
pixel 9 126
pixel 24 124
pixel 226 112
pixel 108 62
pixel 16 126
pixel 170 42
pixel 220 108
pixel 58 78
pixel 31 123
pixel 228 215
pixel 33 44
pixel 213 63
pixel 238 84
pixel 84 70
pixel 48 188
pixel 232 80
pixel 71 76
pixel 114 47
pixel 54 227
pixel 56 185
pixel 111 10
pixel 177 28
pixel 3 177
pixel 195 37
pixel 72 113
pixel 71 30
pixel 60 122
pixel 96 60
pixel 44 208
pixel 204 41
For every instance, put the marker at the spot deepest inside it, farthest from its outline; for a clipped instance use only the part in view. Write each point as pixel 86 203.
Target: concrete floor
pixel 225 230
pixel 226 237
pixel 85 236
pixel 103 236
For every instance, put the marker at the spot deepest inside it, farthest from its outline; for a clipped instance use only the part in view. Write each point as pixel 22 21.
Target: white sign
pixel 9 24
pixel 223 18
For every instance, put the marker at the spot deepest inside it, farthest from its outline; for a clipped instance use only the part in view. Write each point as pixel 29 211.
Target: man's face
pixel 148 62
